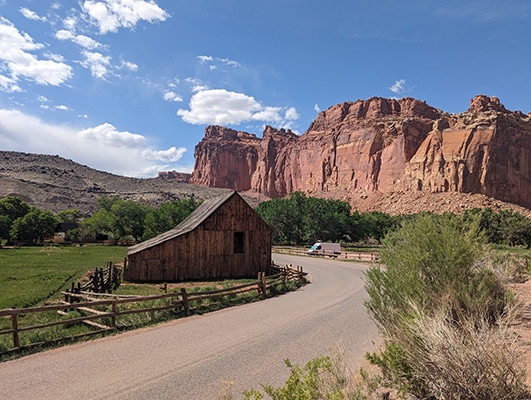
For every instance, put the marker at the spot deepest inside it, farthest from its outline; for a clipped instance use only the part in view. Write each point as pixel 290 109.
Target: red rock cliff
pixel 378 145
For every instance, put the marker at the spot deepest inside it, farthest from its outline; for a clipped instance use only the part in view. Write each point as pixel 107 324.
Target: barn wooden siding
pixel 203 246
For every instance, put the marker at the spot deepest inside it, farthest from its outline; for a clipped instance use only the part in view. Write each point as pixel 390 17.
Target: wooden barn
pixel 223 238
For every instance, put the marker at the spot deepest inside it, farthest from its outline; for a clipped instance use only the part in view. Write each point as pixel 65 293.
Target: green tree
pixel 167 216
pixel 99 222
pixel 127 219
pixel 284 220
pixel 34 227
pixel 325 220
pixel 69 215
pixel 376 224
pixel 299 219
pixel 5 226
pixel 11 208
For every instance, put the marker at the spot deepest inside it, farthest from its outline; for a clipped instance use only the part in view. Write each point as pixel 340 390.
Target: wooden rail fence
pixel 101 311
pixel 103 280
pixel 345 255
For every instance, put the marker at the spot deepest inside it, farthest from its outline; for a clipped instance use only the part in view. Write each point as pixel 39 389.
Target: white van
pixel 325 249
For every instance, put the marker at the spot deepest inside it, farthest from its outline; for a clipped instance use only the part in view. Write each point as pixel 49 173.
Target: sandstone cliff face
pixel 356 149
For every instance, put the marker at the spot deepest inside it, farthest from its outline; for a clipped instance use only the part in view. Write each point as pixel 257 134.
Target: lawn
pixel 31 275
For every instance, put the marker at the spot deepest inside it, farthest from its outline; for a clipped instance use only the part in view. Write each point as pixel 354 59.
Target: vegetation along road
pixel 199 356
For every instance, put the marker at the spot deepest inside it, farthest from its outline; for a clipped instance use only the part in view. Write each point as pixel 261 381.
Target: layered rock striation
pixel 356 149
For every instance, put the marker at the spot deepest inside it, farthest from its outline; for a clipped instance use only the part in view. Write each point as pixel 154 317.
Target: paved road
pixel 193 358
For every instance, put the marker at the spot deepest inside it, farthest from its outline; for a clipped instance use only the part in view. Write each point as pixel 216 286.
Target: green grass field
pixel 31 275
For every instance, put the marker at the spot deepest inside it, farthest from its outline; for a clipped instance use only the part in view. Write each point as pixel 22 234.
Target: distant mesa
pixel 182 177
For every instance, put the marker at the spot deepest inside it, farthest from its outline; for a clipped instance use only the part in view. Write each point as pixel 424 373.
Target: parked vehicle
pixel 325 249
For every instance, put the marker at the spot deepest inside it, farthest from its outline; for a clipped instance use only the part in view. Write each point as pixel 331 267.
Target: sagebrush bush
pixel 440 312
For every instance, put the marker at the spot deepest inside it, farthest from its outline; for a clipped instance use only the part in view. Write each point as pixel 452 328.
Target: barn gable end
pixel 223 238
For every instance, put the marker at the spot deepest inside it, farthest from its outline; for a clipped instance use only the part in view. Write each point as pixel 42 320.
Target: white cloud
pixel 197 84
pixel 129 65
pixel 81 40
pixel 168 95
pixel 107 133
pixel 70 23
pixel 97 63
pixel 399 86
pixel 269 114
pixel 62 107
pixel 317 108
pixel 232 63
pixel 172 154
pixel 102 147
pixel 9 85
pixel 16 59
pixel 224 61
pixel 110 15
pixel 291 114
pixel 31 14
pixel 204 59
pixel 221 107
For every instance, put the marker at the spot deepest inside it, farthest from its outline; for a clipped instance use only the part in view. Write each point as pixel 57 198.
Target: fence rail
pixel 107 308
pixel 345 255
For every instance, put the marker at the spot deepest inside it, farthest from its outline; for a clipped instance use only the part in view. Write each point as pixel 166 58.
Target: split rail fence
pixel 102 311
pixel 345 255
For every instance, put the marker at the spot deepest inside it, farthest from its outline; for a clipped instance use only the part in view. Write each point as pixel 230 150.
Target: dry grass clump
pixel 468 359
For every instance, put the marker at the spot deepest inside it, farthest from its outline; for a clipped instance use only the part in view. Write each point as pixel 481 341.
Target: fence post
pixel 114 309
pixel 262 283
pixel 14 327
pixel 185 301
pixel 300 273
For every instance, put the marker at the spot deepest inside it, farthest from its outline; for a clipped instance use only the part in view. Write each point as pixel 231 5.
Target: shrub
pixel 440 311
pixel 472 360
pixel 316 380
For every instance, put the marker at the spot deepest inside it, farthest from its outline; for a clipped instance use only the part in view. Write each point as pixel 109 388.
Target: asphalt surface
pixel 198 357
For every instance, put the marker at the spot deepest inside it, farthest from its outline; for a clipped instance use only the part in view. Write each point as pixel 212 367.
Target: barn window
pixel 238 242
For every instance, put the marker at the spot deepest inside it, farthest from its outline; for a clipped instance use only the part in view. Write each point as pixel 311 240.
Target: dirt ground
pixel 523 325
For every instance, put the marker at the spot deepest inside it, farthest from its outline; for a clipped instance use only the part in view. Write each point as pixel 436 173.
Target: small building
pixel 223 238
pixel 62 228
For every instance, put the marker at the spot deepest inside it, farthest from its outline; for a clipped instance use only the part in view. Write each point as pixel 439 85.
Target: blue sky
pixel 128 86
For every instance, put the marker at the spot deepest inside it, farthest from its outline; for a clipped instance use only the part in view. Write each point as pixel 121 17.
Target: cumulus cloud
pixel 110 15
pixel 97 63
pixel 204 59
pixel 81 40
pixel 103 147
pixel 317 108
pixel 399 86
pixel 17 59
pixel 169 95
pixel 222 107
pixel 107 133
pixel 29 14
pixel 291 114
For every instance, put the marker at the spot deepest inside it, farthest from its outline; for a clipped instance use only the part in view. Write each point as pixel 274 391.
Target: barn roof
pixel 191 222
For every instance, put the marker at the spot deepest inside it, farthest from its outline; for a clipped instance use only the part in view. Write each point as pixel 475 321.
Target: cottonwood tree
pixel 167 216
pixel 11 208
pixel 34 227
